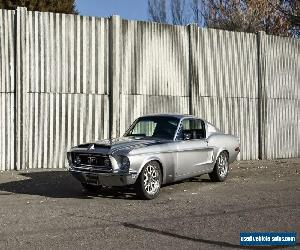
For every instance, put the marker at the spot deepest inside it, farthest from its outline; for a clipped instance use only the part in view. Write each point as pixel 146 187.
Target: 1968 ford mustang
pixel 155 150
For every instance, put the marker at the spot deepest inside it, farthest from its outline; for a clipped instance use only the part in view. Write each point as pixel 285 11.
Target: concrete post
pixel 261 95
pixel 192 78
pixel 115 72
pixel 21 88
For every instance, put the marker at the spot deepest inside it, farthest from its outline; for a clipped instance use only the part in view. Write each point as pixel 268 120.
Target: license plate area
pixel 92 179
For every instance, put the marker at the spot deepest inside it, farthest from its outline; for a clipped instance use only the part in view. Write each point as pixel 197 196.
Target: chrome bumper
pixel 104 179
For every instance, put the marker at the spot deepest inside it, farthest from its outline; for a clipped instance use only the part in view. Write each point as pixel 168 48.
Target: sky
pixel 127 9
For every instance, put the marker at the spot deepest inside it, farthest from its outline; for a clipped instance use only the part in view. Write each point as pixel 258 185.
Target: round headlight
pixel 77 160
pixel 107 162
pixel 125 165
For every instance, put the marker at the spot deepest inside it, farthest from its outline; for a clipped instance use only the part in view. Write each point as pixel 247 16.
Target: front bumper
pixel 104 179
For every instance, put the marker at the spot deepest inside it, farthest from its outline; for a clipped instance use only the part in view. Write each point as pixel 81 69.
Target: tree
pixel 291 10
pixel 63 6
pixel 243 15
pixel 179 13
pixel 277 17
pixel 169 11
pixel 157 10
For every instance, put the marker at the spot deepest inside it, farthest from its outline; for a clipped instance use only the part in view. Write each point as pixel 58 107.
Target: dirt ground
pixel 49 210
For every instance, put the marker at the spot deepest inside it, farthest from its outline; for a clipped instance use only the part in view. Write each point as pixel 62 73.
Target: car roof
pixel 179 116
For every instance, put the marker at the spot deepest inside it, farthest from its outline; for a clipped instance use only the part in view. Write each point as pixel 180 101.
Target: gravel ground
pixel 49 210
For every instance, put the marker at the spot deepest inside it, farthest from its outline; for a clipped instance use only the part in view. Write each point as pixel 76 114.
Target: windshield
pixel 154 127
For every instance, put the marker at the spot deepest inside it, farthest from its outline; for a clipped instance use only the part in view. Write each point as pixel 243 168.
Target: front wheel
pixel 220 171
pixel 149 181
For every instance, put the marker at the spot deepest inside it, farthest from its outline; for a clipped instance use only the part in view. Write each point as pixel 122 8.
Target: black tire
pixel 91 188
pixel 148 185
pixel 221 168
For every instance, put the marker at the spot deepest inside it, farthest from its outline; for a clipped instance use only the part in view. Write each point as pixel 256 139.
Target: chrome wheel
pixel 222 165
pixel 151 179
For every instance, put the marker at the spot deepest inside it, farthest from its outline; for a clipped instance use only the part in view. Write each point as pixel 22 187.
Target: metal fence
pixel 67 79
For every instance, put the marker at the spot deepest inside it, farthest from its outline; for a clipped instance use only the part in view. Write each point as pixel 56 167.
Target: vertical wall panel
pixel 67 53
pixel 224 63
pixel 7 90
pixel 224 88
pixel 282 95
pixel 59 128
pixel 236 116
pixel 7 132
pixel 155 59
pixel 282 134
pixel 68 85
pixel 155 70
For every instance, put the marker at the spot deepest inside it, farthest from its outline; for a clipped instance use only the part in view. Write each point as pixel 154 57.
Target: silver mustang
pixel 155 150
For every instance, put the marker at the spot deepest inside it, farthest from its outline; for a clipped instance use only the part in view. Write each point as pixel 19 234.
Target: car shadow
pixel 199 179
pixel 202 178
pixel 52 184
pixel 61 184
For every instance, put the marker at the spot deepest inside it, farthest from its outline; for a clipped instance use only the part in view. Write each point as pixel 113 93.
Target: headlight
pixel 77 160
pixel 107 162
pixel 125 164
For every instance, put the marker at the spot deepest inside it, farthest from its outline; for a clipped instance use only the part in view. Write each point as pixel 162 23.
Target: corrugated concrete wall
pixel 69 79
pixel 62 85
pixel 224 85
pixel 7 90
pixel 155 70
pixel 68 85
pixel 281 97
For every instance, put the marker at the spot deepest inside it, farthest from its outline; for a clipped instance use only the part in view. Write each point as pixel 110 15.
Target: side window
pixel 192 129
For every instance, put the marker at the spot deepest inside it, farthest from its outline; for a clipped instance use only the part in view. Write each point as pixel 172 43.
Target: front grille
pixel 88 161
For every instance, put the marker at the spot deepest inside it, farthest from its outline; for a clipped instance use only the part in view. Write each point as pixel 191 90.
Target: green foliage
pixel 63 6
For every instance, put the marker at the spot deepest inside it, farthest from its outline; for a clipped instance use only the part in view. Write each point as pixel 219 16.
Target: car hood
pixel 121 145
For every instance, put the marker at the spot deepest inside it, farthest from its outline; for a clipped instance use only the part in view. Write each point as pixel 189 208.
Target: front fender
pixel 166 162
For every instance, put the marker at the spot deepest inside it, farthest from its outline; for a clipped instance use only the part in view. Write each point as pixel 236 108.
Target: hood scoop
pixel 93 146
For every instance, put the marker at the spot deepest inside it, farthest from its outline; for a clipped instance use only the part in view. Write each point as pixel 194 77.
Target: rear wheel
pixel 149 181
pixel 220 171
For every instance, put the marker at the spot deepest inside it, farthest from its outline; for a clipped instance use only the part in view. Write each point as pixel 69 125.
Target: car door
pixel 193 154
